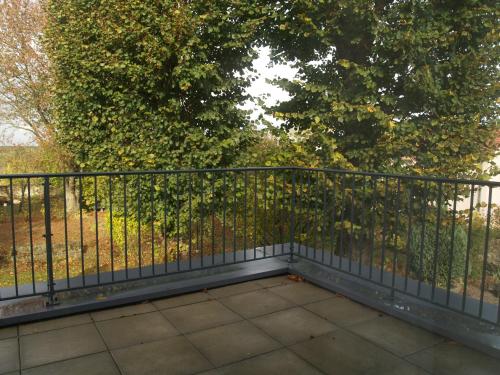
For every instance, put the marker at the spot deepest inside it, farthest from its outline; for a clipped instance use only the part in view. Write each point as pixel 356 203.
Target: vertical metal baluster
pixel 274 214
pixel 96 216
pixel 323 221
pixel 111 245
pixel 265 213
pixel 165 232
pixel 201 218
pixel 255 216
pixel 178 208
pixel 308 213
pixel 485 254
pixel 342 217
pixel 283 214
pixel 65 216
pixel 245 216
pixel 315 219
pixel 363 224
pixel 452 245
pixel 48 243
pixel 125 229
pixel 334 218
pixel 422 236
pixel 190 219
pixel 409 235
pixel 212 204
pixel 299 211
pixel 436 243
pixel 234 216
pixel 13 229
pixel 372 226
pixel 30 222
pixel 80 198
pixel 292 218
pixel 224 208
pixel 351 239
pixel 469 243
pixel 384 230
pixel 396 227
pixel 139 209
pixel 153 215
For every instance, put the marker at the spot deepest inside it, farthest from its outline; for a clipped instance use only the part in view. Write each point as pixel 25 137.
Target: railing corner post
pixel 52 300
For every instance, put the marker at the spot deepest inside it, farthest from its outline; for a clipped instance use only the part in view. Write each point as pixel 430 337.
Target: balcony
pixel 401 272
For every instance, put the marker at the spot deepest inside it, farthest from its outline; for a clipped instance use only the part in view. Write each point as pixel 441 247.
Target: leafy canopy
pixel 407 86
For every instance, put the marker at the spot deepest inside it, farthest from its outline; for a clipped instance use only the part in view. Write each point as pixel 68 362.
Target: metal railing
pixel 431 238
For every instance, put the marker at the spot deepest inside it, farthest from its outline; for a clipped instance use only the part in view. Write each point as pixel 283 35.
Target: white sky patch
pixel 261 88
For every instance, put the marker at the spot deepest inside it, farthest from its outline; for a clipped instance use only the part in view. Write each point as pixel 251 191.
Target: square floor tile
pixel 7 333
pixel 281 361
pixel 230 290
pixel 186 299
pixel 175 355
pixel 231 343
pixel 9 357
pixel 293 325
pixel 342 311
pixel 301 293
pixel 136 329
pixel 94 364
pixel 256 303
pixel 455 359
pixel 200 316
pixel 341 352
pixel 60 344
pixel 120 312
pixel 395 335
pixel 47 325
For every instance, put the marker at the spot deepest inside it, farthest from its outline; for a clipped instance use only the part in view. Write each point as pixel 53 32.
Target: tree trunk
pixel 71 195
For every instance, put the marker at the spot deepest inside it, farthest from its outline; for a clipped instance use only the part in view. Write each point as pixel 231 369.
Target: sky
pixel 258 88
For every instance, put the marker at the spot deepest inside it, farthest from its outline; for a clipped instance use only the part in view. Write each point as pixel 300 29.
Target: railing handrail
pixel 437 179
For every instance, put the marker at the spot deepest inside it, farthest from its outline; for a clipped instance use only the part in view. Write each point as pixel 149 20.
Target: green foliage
pixel 151 85
pixel 426 246
pixel 398 85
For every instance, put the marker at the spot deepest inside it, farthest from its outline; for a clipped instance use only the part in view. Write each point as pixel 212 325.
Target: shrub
pixel 427 249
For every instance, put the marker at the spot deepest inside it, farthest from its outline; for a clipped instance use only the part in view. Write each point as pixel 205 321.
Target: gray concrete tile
pixel 175 355
pixel 47 325
pixel 395 335
pixel 455 359
pixel 232 342
pixel 120 312
pixel 256 303
pixel 231 290
pixel 342 311
pixel 342 352
pixel 60 344
pixel 200 316
pixel 281 361
pixel 7 333
pixel 185 299
pixel 9 355
pixel 274 281
pixel 293 325
pixel 301 293
pixel 94 364
pixel 136 329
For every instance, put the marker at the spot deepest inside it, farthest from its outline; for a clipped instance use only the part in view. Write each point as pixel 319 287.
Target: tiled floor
pixel 270 326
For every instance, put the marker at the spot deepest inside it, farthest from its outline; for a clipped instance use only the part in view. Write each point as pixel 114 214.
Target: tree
pixel 25 96
pixel 405 86
pixel 152 84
